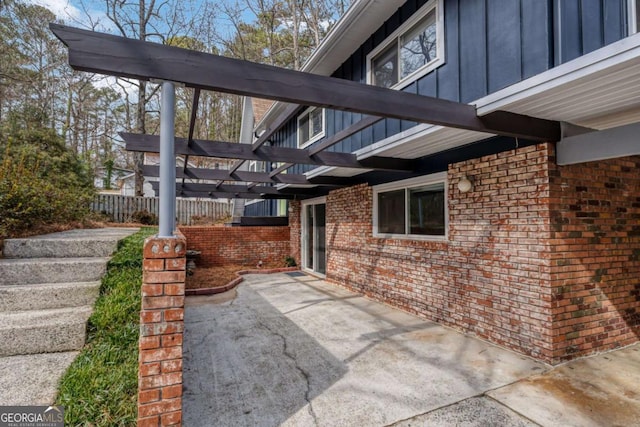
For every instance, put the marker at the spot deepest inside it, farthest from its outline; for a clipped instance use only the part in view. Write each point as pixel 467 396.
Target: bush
pixel 290 261
pixel 144 217
pixel 41 181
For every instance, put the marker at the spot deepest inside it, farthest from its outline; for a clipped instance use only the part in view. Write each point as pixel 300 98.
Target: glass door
pixel 314 251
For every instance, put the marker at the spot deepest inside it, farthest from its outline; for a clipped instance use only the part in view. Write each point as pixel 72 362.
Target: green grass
pixel 100 387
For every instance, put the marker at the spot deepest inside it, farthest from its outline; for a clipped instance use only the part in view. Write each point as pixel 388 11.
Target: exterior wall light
pixel 465 185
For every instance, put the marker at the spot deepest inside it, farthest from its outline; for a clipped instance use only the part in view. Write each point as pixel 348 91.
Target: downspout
pixel 246 137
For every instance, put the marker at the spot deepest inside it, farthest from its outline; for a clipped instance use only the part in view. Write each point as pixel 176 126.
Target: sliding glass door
pixel 314 250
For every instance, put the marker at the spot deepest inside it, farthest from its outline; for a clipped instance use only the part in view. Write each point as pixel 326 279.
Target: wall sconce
pixel 465 185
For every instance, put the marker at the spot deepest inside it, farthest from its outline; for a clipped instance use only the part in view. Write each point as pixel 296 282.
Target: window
pixel 414 208
pixel 310 126
pixel 256 166
pixel 411 51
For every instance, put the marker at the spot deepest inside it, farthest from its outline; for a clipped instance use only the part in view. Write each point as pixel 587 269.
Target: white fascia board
pixel 606 144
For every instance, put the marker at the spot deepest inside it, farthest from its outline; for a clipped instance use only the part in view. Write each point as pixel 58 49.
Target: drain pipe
pixel 167 220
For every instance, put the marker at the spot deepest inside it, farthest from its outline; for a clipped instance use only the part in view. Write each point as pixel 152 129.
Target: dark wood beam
pixel 226 195
pixel 227 150
pixel 344 134
pixel 281 120
pixel 246 176
pixel 122 57
pixel 227 188
pixel 192 123
pixel 280 169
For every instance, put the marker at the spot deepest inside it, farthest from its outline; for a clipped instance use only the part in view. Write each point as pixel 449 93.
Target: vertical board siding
pixel 448 81
pixel 121 208
pixel 503 36
pixel 489 45
pixel 582 26
pixel 536 18
pixel 473 50
pixel 615 20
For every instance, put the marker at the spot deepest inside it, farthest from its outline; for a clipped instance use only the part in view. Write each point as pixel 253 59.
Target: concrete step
pixel 48 295
pixel 51 270
pixel 43 331
pixel 68 244
pixel 32 379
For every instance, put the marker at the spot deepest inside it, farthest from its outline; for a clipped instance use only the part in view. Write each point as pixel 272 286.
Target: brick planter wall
pixel 161 332
pixel 502 274
pixel 238 245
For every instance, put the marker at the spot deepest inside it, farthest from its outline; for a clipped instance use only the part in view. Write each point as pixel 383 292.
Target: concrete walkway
pixel 296 351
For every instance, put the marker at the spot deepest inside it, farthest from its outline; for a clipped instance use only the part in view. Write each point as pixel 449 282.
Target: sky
pixel 84 13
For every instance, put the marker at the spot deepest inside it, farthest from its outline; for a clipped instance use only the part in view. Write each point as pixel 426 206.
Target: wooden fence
pixel 121 208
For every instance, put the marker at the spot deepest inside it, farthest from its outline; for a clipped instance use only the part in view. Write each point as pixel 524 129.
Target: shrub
pixel 290 261
pixel 144 217
pixel 41 180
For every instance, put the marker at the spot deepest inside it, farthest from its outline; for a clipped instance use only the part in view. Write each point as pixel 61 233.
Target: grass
pixel 100 387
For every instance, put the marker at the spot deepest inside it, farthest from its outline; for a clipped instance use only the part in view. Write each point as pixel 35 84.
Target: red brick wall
pixel 161 333
pixel 595 253
pixel 491 277
pixel 238 245
pixel 295 215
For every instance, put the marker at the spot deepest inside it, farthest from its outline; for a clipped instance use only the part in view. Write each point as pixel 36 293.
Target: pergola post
pixel 167 211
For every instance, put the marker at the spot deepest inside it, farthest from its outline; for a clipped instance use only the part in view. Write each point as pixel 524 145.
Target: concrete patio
pixel 292 350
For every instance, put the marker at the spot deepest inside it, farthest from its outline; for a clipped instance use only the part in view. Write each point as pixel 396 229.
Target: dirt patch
pixel 214 277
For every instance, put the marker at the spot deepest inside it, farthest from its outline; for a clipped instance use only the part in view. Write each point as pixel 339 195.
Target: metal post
pixel 167 161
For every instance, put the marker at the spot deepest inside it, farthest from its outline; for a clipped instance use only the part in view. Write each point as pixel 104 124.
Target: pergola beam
pixel 227 150
pixel 122 57
pixel 228 195
pixel 247 176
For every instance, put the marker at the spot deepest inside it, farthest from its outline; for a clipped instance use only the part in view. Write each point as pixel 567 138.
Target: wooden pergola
pixel 121 57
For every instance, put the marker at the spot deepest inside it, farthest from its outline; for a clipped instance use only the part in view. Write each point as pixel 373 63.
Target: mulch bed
pixel 214 280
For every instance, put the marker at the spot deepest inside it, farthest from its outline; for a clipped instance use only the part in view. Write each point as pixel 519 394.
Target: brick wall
pixel 487 278
pixel 595 253
pixel 161 332
pixel 295 229
pixel 238 245
pixel 527 263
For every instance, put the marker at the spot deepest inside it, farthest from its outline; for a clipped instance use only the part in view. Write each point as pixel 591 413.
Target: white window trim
pixel 396 36
pixel 303 220
pixel 304 144
pixel 435 178
pixel 631 12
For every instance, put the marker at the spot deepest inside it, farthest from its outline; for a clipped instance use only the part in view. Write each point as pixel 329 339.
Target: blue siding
pixel 582 26
pixel 489 45
pixel 262 208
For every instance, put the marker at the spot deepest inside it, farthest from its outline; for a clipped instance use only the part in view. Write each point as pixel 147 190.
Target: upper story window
pixel 415 208
pixel 311 125
pixel 413 50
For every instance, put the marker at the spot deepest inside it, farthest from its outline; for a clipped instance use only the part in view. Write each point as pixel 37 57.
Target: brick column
pixel 161 330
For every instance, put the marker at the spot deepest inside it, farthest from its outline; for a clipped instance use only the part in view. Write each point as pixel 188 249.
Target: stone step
pixel 51 270
pixel 68 244
pixel 32 379
pixel 48 295
pixel 43 331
